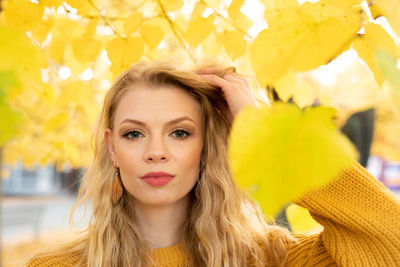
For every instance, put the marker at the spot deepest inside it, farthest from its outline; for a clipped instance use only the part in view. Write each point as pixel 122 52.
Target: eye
pixel 132 135
pixel 181 134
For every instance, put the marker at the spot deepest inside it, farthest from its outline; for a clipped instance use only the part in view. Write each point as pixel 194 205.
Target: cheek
pixel 128 157
pixel 189 159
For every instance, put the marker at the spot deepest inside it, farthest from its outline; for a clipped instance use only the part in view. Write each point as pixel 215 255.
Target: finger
pixel 236 79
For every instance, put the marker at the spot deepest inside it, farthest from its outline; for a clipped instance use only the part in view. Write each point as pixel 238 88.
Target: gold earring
pixel 117 188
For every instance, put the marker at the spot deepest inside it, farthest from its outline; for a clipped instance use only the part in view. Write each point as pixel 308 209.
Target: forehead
pixel 157 104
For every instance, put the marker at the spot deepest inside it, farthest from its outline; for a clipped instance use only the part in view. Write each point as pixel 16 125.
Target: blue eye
pixel 181 134
pixel 132 135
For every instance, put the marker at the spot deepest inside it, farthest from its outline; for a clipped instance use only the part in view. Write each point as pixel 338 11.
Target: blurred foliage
pixel 11 118
pixel 65 54
pixel 387 65
pixel 300 220
pixel 279 152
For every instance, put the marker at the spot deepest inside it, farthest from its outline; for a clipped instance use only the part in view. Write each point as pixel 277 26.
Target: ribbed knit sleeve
pixel 62 260
pixel 361 220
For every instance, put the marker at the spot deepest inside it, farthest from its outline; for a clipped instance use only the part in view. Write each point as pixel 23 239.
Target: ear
pixel 110 145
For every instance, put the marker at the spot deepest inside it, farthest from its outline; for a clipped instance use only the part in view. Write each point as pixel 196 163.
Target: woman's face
pixel 157 129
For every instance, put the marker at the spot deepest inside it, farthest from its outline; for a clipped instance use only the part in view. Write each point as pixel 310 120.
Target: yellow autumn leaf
pixel 51 3
pixel 17 53
pixel 55 122
pixel 86 49
pixel 56 49
pixel 234 43
pixel 46 94
pixel 388 8
pixel 297 40
pixel 76 93
pixel 328 9
pixel 213 3
pixel 300 89
pixel 41 31
pixel 71 154
pixel 243 22
pixel 300 219
pixel 84 7
pixel 388 66
pixel 132 23
pixel 234 8
pixel 375 37
pixel 152 34
pixel 277 154
pixel 11 118
pixel 198 29
pixel 91 28
pixel 10 121
pixel 76 66
pixel 23 15
pixel 198 10
pixel 272 7
pixel 124 52
pixel 342 3
pixel 172 5
pixel 67 29
pixel 284 85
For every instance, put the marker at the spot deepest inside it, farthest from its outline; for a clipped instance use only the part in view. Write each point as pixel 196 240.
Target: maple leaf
pixel 300 219
pixel 388 8
pixel 279 153
pixel 299 39
pixel 375 37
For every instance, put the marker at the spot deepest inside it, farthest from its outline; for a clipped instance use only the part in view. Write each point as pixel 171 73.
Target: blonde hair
pixel 218 231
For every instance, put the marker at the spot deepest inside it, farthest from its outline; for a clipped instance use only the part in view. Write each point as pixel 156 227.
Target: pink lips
pixel 157 178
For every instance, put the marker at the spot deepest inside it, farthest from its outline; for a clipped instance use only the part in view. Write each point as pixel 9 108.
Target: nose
pixel 156 151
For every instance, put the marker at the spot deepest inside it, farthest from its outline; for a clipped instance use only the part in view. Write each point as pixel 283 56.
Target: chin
pixel 159 198
pixel 157 201
pixel 155 198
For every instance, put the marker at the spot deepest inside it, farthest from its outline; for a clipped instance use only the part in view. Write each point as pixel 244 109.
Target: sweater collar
pixel 175 254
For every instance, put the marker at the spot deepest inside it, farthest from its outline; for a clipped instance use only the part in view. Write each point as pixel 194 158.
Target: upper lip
pixel 156 174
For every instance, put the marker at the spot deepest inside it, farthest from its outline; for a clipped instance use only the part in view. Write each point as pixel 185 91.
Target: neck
pixel 162 226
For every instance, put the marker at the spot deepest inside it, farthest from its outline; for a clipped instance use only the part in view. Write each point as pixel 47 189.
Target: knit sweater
pixel 360 217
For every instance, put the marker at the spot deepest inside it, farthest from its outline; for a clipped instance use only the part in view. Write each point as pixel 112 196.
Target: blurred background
pixel 58 58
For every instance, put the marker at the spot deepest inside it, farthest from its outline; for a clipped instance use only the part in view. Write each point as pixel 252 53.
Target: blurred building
pixel 39 181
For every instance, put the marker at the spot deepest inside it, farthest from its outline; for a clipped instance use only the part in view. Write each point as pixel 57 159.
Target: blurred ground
pixel 30 224
pixel 19 241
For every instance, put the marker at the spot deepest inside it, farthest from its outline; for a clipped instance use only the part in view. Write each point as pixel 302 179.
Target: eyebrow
pixel 168 123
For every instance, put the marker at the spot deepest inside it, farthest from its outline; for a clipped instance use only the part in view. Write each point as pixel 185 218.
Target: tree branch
pixel 225 19
pixel 174 30
pixel 104 18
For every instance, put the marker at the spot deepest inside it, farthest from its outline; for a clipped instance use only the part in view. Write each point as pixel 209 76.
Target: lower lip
pixel 158 181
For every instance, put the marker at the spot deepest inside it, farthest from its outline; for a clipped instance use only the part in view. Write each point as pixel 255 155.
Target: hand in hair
pixel 236 89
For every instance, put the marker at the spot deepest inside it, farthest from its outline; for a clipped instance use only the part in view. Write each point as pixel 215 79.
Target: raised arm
pixel 361 220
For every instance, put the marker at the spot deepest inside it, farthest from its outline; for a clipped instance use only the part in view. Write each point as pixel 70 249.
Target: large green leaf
pixel 279 153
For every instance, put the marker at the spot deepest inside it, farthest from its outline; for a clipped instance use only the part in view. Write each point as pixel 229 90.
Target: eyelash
pixel 185 132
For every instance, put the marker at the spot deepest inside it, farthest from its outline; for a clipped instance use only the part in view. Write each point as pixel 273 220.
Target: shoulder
pixel 57 260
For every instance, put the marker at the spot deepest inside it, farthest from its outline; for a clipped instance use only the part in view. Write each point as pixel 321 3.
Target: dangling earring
pixel 117 188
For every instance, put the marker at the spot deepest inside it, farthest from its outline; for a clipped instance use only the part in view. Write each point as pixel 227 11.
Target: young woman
pixel 162 193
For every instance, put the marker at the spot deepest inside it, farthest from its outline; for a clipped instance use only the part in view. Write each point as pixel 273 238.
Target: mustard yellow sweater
pixel 361 220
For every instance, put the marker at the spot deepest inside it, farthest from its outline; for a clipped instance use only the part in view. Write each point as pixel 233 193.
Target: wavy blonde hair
pixel 218 231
